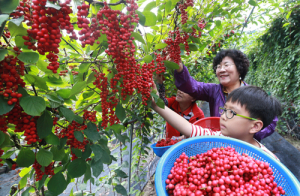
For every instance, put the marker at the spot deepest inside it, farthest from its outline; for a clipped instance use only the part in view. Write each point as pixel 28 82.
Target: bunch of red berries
pixel 11 68
pixel 183 6
pixel 166 142
pixel 46 23
pixel 49 170
pixel 221 171
pixel 91 116
pixel 173 48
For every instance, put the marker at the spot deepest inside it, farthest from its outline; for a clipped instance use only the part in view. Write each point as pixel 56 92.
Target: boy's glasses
pixel 230 113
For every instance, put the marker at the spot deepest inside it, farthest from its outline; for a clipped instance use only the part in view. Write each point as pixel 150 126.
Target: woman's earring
pixel 240 78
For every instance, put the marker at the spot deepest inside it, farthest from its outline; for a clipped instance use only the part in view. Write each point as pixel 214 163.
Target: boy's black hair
pixel 257 102
pixel 240 60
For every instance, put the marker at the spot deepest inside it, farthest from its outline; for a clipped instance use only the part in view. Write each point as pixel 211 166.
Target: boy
pixel 248 109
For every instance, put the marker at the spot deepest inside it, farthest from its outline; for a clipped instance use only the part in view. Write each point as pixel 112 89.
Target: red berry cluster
pixel 166 142
pixel 23 9
pixel 183 6
pixel 91 116
pixel 1 153
pixel 46 24
pixel 69 133
pixel 23 122
pixel 11 68
pixel 173 48
pixel 14 166
pixel 49 170
pixel 221 171
pixel 88 34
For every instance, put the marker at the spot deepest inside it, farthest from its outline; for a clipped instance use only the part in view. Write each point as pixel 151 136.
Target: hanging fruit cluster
pixel 183 6
pixel 46 25
pixel 11 68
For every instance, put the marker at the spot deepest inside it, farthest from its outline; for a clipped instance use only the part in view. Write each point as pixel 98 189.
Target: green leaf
pixel 195 40
pixel 78 119
pixel 77 88
pixel 150 6
pixel 218 23
pixel 120 173
pixel 3 18
pixel 148 59
pixel 39 82
pixel 91 132
pixel 288 14
pixel 253 3
pixel 150 18
pixel 2 137
pixel 79 136
pixel 57 184
pixel 97 167
pixel 26 158
pixel 27 191
pixel 88 174
pixel 171 65
pixel 91 78
pixel 281 10
pixel 286 24
pixel 42 65
pixel 44 125
pixel 120 189
pixel 120 112
pixel 32 105
pixel 23 181
pixel 142 18
pixel 193 47
pixel 77 168
pixel 8 6
pixel 52 139
pixel 97 150
pixel 4 107
pixel 62 142
pixel 44 157
pixel 55 100
pixel 69 114
pixel 58 154
pixel 51 5
pixel 6 142
pixel 138 37
pixel 29 57
pixel 160 46
pixel 3 52
pixel 87 152
pixel 160 103
pixel 17 21
pixel 16 30
pixel 83 67
pixel 168 6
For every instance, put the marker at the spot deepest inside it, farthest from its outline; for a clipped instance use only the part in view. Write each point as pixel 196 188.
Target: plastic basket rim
pixel 159 169
pixel 153 146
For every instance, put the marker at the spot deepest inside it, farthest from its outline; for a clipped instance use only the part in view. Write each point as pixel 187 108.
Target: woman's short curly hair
pixel 240 60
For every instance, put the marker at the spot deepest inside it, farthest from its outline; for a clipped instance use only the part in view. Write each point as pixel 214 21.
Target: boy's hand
pixel 153 104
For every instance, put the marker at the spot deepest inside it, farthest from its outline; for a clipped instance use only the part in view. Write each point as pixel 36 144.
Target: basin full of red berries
pixel 221 166
pixel 163 145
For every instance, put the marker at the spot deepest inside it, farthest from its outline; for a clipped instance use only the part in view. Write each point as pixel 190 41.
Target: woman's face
pixel 227 72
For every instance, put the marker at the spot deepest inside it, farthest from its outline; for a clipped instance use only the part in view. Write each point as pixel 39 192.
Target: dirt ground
pixel 149 189
pixel 292 140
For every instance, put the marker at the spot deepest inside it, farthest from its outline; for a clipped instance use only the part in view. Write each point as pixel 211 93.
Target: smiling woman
pixel 231 67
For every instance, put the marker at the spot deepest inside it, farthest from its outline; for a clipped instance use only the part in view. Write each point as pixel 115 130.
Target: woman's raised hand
pixel 180 63
pixel 159 78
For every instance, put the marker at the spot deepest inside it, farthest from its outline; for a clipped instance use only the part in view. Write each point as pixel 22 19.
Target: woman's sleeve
pixel 162 91
pixel 266 131
pixel 187 84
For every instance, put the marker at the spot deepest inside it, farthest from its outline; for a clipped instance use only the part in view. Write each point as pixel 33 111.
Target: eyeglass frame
pixel 226 65
pixel 234 114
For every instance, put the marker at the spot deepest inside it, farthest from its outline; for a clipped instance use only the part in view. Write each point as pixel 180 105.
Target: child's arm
pixel 174 119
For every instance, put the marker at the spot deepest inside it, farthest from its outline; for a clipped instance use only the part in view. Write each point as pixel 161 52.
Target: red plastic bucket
pixel 212 123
